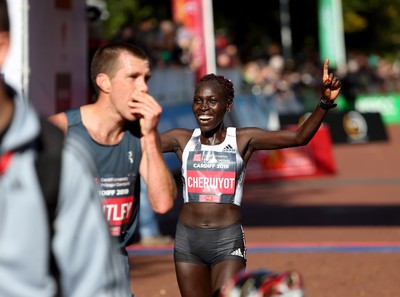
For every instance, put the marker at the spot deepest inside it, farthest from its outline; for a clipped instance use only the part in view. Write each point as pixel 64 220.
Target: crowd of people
pixel 287 85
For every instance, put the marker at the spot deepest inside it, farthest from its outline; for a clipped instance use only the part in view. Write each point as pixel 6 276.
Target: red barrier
pixel 316 158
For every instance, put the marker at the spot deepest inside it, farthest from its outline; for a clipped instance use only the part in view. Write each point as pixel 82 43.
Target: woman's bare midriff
pixel 209 215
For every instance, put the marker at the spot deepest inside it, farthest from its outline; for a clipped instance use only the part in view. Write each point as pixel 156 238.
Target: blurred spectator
pixel 166 45
pixel 251 75
pixel 187 43
pixel 351 84
pixel 227 54
pixel 389 75
pixel 276 84
pixel 228 57
pixel 126 34
pixel 146 32
pixel 290 86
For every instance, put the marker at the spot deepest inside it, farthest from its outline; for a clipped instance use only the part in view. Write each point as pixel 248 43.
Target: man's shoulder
pixel 60 120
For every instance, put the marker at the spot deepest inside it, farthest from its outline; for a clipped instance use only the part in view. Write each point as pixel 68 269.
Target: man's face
pixel 132 76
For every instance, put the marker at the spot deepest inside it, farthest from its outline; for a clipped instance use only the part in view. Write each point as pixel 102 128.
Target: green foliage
pixel 372 26
pixel 123 12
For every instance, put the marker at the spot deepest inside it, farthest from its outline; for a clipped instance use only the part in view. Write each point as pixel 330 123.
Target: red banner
pixel 313 159
pixel 190 14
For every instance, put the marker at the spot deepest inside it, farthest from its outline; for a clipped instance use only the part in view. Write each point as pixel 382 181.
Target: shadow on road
pixel 276 212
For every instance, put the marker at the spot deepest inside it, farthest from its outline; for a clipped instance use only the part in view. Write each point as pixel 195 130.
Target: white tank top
pixel 213 173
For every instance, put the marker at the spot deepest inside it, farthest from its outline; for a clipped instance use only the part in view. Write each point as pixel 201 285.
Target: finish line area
pixel 288 247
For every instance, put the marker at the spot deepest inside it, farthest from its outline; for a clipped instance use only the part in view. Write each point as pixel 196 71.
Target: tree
pixel 370 26
pixel 124 12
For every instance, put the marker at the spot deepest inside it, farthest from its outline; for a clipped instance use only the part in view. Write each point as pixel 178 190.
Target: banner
pixel 388 105
pixel 196 16
pixel 316 158
pixel 348 127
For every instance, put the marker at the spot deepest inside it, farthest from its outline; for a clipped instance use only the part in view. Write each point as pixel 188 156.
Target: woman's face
pixel 209 106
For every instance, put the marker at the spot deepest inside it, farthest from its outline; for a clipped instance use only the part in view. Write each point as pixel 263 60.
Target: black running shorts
pixel 209 246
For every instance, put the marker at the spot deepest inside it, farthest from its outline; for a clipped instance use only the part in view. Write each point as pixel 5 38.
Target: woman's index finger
pixel 325 74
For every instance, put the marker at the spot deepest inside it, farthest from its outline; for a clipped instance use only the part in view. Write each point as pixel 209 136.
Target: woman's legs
pixel 194 280
pixel 206 258
pixel 223 272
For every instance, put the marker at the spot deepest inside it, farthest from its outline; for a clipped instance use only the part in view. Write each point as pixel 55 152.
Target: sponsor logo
pixel 209 198
pixel 237 252
pixel 197 157
pixel 355 126
pixel 130 157
pixel 228 148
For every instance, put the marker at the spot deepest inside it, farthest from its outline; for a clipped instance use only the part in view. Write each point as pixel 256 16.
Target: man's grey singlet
pixel 118 181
